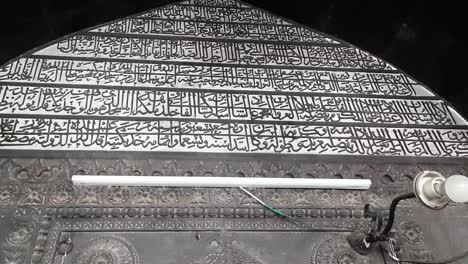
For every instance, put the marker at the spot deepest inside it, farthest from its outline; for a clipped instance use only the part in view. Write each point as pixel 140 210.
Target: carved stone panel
pixel 205 247
pixel 199 241
pixel 215 88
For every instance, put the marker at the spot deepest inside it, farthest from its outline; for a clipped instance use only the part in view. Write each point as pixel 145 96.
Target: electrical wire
pixel 281 213
pixel 450 260
pixel 274 210
pixel 394 256
pixel 294 220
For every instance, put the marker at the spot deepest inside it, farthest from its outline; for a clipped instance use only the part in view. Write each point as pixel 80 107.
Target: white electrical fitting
pixel 191 181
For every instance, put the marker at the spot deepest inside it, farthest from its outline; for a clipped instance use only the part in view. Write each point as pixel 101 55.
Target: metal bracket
pixel 362 241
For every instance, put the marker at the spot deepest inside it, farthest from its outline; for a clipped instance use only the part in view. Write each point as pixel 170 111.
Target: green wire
pixel 281 213
pixel 276 211
pixel 269 207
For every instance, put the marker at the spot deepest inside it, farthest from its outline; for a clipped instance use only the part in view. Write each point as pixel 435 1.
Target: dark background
pixel 423 39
